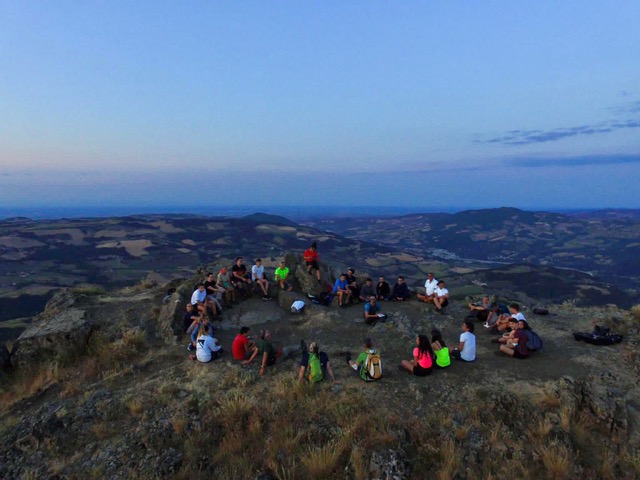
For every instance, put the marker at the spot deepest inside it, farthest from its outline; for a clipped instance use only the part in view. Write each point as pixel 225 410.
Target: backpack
pixel 372 368
pixel 315 369
pixel 534 342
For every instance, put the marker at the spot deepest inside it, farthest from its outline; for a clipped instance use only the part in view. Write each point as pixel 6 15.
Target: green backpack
pixel 315 369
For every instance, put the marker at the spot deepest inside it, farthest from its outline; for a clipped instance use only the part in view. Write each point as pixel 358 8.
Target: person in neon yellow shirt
pixel 282 273
pixel 440 349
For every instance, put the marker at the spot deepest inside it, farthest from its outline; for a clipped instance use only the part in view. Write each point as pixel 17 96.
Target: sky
pixel 369 103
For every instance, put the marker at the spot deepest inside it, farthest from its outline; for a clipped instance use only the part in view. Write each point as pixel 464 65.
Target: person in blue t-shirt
pixel 372 311
pixel 341 288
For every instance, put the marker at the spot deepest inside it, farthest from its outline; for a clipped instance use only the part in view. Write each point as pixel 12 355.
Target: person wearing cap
pixel 224 280
pixel 430 286
pixel 440 297
pixel 311 259
pixel 324 363
pixel 372 311
pixel 243 349
pixel 257 275
pixel 352 284
pixel 281 276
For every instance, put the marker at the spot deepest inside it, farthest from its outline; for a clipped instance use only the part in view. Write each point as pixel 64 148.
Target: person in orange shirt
pixel 311 257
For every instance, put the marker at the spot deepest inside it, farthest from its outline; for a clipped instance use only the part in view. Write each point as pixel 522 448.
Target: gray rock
pixel 64 335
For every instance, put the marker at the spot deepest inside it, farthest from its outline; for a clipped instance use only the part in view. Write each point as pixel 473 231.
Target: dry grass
pixel 556 459
pixel 179 424
pixel 321 461
pixel 101 430
pixel 27 383
pixel 449 460
pixel 135 406
pixel 540 430
pixel 635 313
pixel 359 464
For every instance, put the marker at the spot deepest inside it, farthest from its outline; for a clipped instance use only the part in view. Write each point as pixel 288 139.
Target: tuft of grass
pixel 557 460
pixel 449 460
pixel 540 430
pixel 635 313
pixel 135 406
pixel 321 461
pixel 359 464
pixel 101 430
pixel 179 425
pixel 28 383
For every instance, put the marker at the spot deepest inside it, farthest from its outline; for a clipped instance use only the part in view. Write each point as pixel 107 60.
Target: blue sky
pixel 529 104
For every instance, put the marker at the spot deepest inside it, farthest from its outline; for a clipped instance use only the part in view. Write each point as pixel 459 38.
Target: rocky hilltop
pixel 101 387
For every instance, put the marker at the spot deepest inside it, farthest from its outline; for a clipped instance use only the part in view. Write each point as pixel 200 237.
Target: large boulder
pixel 5 356
pixel 62 336
pixel 172 312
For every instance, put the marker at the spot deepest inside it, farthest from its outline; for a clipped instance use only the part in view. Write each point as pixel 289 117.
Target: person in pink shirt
pixel 422 364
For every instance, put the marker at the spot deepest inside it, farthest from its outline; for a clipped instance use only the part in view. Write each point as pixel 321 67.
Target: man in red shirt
pixel 242 348
pixel 311 257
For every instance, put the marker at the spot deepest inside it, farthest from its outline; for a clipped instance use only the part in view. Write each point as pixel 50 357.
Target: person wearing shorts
pixel 422 364
pixel 311 259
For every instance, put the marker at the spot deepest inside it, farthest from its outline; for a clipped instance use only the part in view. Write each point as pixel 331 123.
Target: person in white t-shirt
pixel 503 322
pixel 466 351
pixel 257 275
pixel 440 297
pixel 207 347
pixel 430 286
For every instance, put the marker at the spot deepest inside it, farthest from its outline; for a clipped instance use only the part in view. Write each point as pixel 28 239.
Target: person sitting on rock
pixel 240 278
pixel 467 348
pixel 368 365
pixel 372 311
pixel 503 322
pixel 311 374
pixel 352 284
pixel 207 347
pixel 200 302
pixel 214 292
pixel 190 319
pixel 243 349
pixel 496 310
pixel 422 364
pixel 440 297
pixel 440 349
pixel 517 346
pixel 266 352
pixel 400 291
pixel 341 288
pixel 367 290
pixel 311 258
pixel 203 321
pixel 480 310
pixel 224 281
pixel 281 276
pixel 383 290
pixel 430 286
pixel 259 278
pixel 509 335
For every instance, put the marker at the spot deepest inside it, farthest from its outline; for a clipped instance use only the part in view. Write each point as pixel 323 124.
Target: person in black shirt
pixel 239 276
pixel 352 283
pixel 383 290
pixel 400 291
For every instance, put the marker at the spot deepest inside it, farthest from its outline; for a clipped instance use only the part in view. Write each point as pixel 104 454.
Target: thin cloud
pixel 527 137
pixel 580 161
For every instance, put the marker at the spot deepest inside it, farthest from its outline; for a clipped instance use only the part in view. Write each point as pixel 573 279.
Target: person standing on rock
pixel 311 258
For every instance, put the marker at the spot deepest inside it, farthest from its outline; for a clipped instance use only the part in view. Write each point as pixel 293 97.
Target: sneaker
pixel 485 325
pixel 265 297
pixel 190 347
pixel 347 357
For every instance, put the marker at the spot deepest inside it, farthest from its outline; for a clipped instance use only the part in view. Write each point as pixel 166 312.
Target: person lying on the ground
pixel 341 288
pixel 281 276
pixel 368 365
pixel 429 289
pixel 383 289
pixel 200 302
pixel 373 311
pixel 240 279
pixel 258 276
pixel 352 284
pixel 440 349
pixel 503 322
pixel 243 349
pixel 517 346
pixel 224 281
pixel 266 352
pixel 214 292
pixel 422 364
pixel 466 350
pixel 207 348
pixel 367 290
pixel 190 318
pixel 440 297
pixel 480 310
pixel 311 259
pixel 310 362
pixel 400 291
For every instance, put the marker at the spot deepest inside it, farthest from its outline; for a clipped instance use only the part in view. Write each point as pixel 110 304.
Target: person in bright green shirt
pixel 360 364
pixel 282 273
pixel 440 348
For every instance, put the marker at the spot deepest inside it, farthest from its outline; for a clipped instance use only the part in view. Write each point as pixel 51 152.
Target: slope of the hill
pixel 125 402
